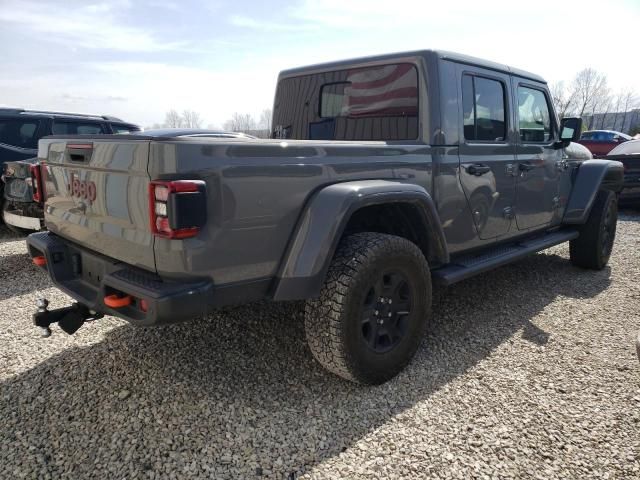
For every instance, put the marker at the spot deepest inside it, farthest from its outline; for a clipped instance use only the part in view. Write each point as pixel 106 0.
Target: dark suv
pixel 20 131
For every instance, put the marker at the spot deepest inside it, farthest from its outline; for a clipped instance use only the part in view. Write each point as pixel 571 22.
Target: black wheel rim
pixel 608 232
pixel 386 310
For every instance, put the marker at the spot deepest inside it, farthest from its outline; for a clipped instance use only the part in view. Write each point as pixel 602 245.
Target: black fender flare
pixel 591 176
pixel 323 221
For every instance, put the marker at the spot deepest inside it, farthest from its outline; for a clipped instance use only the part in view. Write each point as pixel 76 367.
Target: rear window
pixel 63 127
pixel 371 103
pixel 19 133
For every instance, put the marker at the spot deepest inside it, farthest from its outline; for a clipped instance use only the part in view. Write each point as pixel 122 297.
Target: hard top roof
pixel 441 54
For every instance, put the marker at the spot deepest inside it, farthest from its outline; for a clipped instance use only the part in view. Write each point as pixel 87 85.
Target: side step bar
pixel 467 266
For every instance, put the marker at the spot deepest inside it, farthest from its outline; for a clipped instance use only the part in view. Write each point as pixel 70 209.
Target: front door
pixel 538 160
pixel 487 150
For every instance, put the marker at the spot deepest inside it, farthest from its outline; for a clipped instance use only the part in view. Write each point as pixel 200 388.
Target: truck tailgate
pixel 97 195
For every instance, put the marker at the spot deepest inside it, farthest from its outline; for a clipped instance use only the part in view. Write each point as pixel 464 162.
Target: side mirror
pixel 570 129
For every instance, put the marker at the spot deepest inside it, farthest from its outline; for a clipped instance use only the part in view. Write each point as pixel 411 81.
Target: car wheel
pixel 373 308
pixel 593 247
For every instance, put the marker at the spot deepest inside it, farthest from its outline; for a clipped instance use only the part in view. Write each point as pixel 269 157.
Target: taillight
pixel 177 209
pixel 37 184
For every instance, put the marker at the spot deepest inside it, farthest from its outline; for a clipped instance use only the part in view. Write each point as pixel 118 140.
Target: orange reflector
pixel 40 260
pixel 114 301
pixel 144 305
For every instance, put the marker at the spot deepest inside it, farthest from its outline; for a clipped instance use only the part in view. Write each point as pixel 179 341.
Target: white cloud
pixel 94 26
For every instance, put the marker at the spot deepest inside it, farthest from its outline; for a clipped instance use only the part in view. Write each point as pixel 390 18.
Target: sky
pixel 138 59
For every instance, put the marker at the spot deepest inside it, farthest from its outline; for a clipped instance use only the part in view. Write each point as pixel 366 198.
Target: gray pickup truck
pixel 384 175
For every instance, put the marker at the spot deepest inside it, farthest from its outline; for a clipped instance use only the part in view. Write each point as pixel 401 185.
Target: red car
pixel 601 142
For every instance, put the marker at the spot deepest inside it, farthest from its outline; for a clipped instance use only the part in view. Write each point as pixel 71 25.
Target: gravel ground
pixel 529 371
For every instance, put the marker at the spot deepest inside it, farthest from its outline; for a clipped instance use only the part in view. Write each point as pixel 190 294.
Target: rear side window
pixel 370 103
pixel 64 127
pixel 19 133
pixel 534 118
pixel 124 129
pixel 484 117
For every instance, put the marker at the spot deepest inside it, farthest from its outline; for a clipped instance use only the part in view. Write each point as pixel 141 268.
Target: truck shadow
pixel 7 235
pixel 18 276
pixel 241 388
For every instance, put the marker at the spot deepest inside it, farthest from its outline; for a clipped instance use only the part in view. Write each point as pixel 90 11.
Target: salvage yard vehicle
pixel 20 131
pixel 384 175
pixel 628 153
pixel 601 142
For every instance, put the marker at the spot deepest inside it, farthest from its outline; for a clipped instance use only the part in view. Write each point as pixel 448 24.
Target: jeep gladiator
pixel 384 175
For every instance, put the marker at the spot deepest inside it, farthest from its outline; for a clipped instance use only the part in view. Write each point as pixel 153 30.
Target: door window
pixel 484 116
pixel 19 133
pixel 77 128
pixel 534 118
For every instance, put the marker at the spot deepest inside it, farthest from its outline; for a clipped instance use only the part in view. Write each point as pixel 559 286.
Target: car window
pixel 19 133
pixel 124 129
pixel 586 136
pixel 370 103
pixel 534 118
pixel 484 116
pixel 66 127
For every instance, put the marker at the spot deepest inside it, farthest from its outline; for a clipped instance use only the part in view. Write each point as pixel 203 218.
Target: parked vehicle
pixel 601 142
pixel 628 154
pixel 20 131
pixel 23 210
pixel 371 190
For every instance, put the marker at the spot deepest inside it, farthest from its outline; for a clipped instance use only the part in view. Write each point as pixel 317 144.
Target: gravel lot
pixel 529 371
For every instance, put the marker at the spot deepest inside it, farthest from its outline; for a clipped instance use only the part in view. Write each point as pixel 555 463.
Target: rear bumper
pixel 17 219
pixel 89 277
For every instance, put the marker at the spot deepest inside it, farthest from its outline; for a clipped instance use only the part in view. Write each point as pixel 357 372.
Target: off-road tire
pixel 333 322
pixel 593 247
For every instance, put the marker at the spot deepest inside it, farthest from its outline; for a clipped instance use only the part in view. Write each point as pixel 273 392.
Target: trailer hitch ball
pixel 43 304
pixel 69 319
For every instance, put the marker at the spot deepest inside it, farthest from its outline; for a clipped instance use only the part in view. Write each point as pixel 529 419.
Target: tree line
pixel 589 96
pixel 239 122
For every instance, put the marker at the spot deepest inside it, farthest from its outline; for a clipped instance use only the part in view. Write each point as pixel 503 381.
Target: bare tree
pixel 628 101
pixel 172 119
pixel 240 122
pixel 563 99
pixel 191 119
pixel 600 102
pixel 265 120
pixel 589 86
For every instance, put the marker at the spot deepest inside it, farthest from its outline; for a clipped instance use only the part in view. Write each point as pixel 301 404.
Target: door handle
pixel 525 167
pixel 478 169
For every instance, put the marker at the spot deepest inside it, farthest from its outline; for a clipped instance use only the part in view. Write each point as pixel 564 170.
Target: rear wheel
pixel 373 308
pixel 593 247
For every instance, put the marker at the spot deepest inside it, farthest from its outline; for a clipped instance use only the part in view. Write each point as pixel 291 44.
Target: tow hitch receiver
pixel 69 318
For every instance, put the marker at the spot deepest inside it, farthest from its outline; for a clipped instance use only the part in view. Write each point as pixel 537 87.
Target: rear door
pixel 487 151
pixel 539 162
pixel 97 196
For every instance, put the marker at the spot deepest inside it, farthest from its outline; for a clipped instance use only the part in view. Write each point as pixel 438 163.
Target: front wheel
pixel 593 247
pixel 373 308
